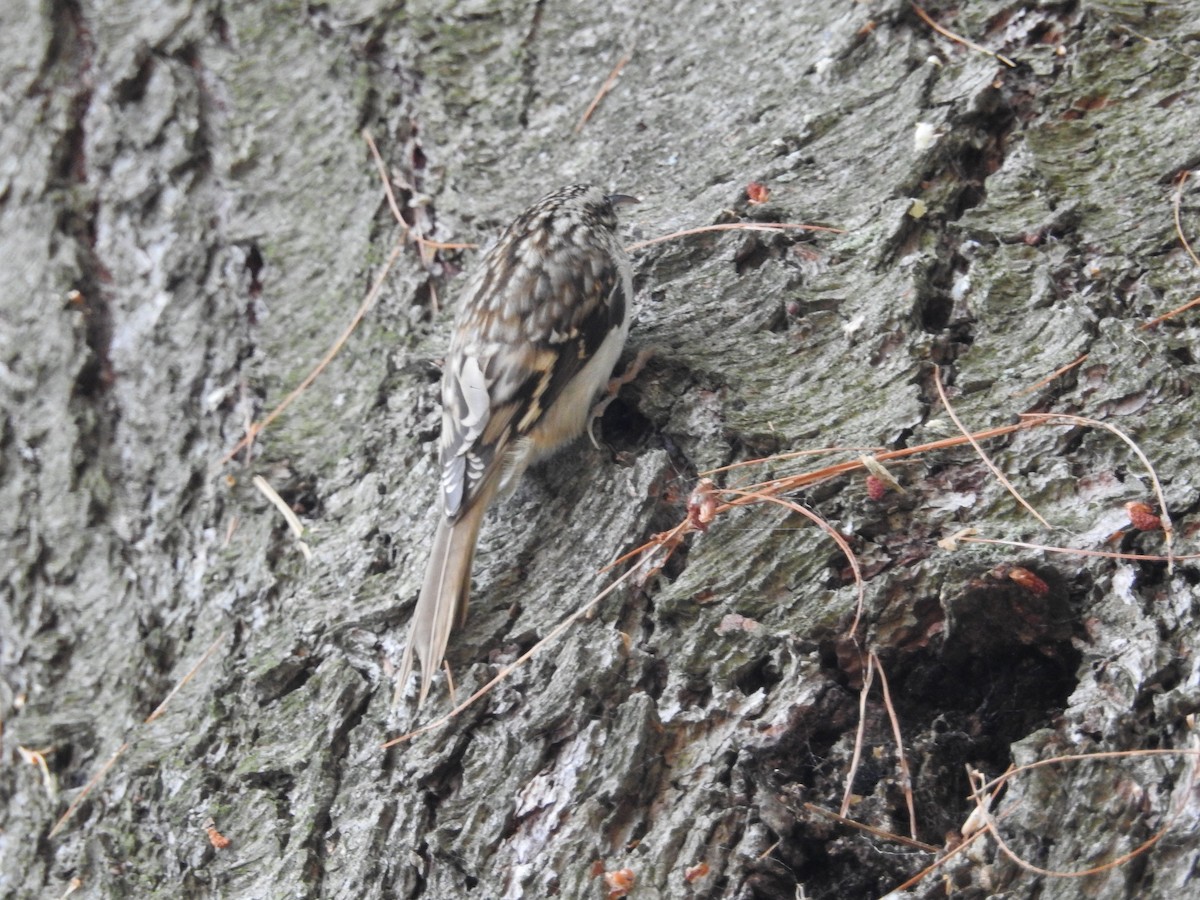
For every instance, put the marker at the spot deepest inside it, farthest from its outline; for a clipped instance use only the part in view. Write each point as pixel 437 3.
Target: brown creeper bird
pixel 541 324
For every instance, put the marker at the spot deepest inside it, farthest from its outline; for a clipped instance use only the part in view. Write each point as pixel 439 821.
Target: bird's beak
pixel 622 199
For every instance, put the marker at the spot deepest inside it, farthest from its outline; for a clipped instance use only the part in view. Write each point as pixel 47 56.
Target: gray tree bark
pixel 188 217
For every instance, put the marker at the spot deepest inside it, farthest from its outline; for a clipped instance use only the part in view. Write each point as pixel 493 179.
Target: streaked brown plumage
pixel 541 324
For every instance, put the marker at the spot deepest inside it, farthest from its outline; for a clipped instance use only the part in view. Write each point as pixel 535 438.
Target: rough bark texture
pixel 188 217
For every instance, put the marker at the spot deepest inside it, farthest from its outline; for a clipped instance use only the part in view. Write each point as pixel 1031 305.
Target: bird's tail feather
pixel 443 601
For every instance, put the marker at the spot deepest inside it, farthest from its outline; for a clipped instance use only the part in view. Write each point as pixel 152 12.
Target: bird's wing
pixel 516 348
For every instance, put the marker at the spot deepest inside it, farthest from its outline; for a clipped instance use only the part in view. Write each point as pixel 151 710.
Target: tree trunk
pixel 188 219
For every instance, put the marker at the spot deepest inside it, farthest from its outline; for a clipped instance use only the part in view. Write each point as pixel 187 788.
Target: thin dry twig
pixel 871 829
pixel 787 483
pixel 1176 211
pixel 982 788
pixel 959 39
pixel 1158 320
pixel 37 759
pixel 937 380
pixel 1053 375
pixel 1176 207
pixel 451 687
pixel 229 530
pixel 859 735
pixel 899 738
pixel 526 656
pixel 162 707
pixel 659 540
pixel 1164 514
pixel 733 226
pixel 837 536
pixel 969 832
pixel 125 746
pixel 785 457
pixel 946 443
pixel 873 666
pixel 1082 757
pixel 983 793
pixel 768 851
pixel 289 515
pixel 1076 551
pixel 406 231
pixel 603 92
pixel 1156 42
pixel 87 789
pixel 256 428
pixel 445 245
pixel 387 181
pixel 936 864
pixel 975 821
